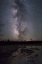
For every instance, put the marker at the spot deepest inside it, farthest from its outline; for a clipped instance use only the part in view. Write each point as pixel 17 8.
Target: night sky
pixel 21 19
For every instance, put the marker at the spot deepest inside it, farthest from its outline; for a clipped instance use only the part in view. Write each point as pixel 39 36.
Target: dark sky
pixel 21 19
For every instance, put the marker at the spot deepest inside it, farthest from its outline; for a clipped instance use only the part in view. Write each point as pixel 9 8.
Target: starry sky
pixel 21 19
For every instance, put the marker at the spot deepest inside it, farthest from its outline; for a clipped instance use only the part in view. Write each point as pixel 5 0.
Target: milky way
pixel 18 10
pixel 21 20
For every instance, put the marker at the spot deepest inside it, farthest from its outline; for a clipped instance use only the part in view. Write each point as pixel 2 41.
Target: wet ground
pixel 14 54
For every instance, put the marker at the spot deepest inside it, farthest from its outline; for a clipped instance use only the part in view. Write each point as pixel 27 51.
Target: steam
pixel 19 11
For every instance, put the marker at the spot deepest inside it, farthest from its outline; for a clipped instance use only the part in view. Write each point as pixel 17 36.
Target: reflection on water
pixel 27 55
pixel 21 54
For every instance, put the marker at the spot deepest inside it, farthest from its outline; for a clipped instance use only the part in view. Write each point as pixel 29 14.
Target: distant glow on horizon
pixel 21 20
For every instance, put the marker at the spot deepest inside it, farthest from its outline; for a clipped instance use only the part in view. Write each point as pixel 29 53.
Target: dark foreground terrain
pixel 12 52
pixel 8 42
